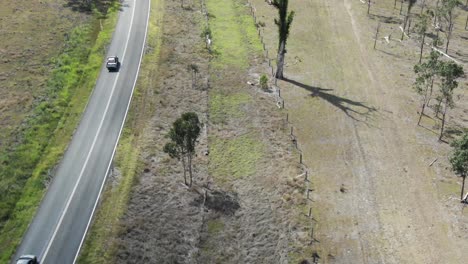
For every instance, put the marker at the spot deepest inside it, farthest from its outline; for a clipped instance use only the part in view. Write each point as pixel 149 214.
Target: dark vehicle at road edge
pixel 112 63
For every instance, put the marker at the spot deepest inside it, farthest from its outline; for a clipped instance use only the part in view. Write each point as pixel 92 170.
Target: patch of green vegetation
pixel 215 226
pixel 224 106
pixel 235 157
pixel 25 167
pixel 229 38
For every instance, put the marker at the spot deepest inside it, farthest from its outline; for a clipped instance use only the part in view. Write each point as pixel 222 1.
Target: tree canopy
pixel 459 158
pixel 183 134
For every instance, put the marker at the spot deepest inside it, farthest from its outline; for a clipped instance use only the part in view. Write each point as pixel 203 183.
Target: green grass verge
pixel 224 106
pixel 233 32
pixel 235 157
pixel 24 168
pixel 100 245
pixel 234 41
pixel 215 226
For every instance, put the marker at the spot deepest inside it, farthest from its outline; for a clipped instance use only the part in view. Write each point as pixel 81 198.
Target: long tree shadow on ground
pixel 351 108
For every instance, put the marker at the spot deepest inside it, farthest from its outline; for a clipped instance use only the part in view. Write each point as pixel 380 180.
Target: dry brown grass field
pixel 32 33
pixel 356 114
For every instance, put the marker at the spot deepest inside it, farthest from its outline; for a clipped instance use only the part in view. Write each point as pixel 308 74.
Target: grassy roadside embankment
pixel 26 168
pixel 101 243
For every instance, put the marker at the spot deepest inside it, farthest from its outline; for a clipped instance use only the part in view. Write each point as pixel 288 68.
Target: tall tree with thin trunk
pixel 421 28
pixel 466 23
pixel 408 12
pixel 447 14
pixel 425 74
pixel 284 24
pixel 183 134
pixel 459 159
pixel 423 5
pixel 449 72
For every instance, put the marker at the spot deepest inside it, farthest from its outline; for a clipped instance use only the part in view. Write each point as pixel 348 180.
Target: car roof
pixel 25 259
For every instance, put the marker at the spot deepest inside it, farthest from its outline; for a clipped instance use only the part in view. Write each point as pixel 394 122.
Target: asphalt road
pixel 57 232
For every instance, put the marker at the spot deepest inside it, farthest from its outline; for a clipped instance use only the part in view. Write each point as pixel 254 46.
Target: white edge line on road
pixel 120 133
pixel 64 211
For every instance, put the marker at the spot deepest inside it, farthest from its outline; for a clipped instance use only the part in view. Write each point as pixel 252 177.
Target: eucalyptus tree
pixel 421 28
pixel 449 72
pixel 183 134
pixel 408 12
pixel 459 159
pixel 447 14
pixel 283 22
pixel 425 75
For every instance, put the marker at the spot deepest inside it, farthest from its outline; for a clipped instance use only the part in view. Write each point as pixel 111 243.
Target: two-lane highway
pixel 62 220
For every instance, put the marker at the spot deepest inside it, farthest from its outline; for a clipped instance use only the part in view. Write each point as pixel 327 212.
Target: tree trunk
pixel 438 108
pixel 368 6
pixel 422 7
pixel 422 47
pixel 408 27
pixel 466 23
pixel 404 27
pixel 432 88
pixel 463 187
pixel 401 6
pixel 446 45
pixel 190 168
pixel 423 106
pixel 422 112
pixel 280 65
pixel 376 34
pixel 443 120
pixel 185 170
pixel 449 35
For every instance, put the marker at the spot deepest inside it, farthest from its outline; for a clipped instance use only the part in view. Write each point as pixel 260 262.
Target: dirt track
pixel 355 115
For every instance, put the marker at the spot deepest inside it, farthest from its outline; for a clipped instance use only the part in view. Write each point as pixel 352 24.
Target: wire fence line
pixel 281 104
pixel 279 101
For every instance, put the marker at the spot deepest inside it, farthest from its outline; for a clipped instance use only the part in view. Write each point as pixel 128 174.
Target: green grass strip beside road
pixel 25 168
pixel 101 243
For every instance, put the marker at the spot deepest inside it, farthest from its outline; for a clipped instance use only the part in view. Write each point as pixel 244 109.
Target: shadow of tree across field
pixel 349 107
pixel 385 19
